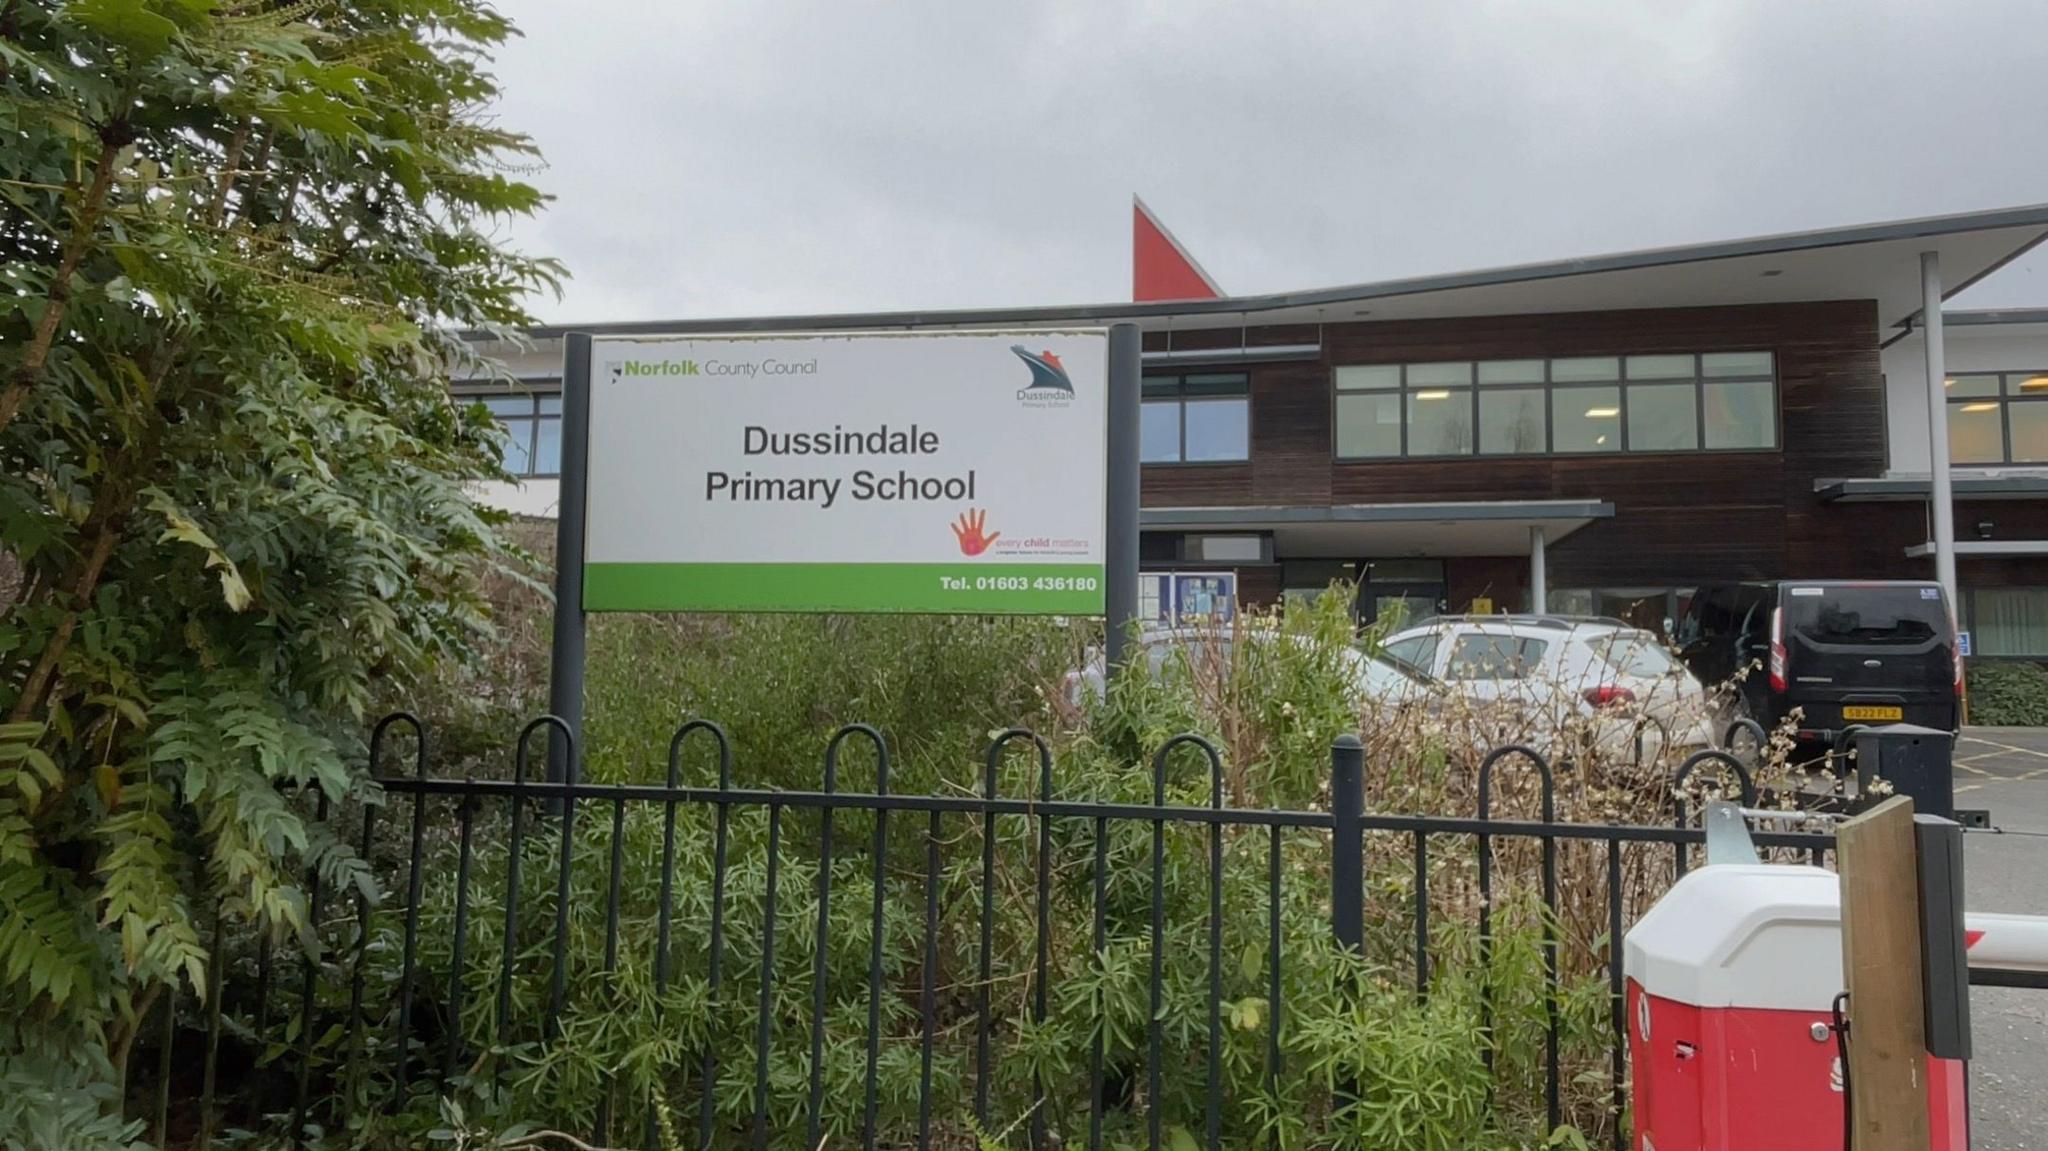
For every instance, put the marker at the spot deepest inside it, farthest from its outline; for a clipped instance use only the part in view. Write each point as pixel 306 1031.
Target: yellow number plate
pixel 1873 713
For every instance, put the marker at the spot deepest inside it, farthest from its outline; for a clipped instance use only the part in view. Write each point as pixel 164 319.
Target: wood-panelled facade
pixel 1681 518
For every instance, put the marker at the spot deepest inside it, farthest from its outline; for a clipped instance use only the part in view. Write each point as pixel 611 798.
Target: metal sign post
pixel 565 668
pixel 1120 548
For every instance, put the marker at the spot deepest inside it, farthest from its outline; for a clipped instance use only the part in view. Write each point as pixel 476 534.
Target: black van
pixel 1845 652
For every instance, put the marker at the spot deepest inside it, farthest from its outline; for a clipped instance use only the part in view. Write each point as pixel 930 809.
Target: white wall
pixel 536 499
pixel 540 358
pixel 1969 348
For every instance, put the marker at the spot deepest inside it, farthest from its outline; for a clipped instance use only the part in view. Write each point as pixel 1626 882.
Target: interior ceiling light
pixel 1984 407
pixel 1436 394
pixel 1602 413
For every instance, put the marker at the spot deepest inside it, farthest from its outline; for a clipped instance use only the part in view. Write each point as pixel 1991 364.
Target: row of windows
pixel 1663 403
pixel 1718 401
pixel 1998 418
pixel 1714 401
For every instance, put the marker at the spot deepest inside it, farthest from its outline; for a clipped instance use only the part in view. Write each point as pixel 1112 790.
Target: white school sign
pixel 869 472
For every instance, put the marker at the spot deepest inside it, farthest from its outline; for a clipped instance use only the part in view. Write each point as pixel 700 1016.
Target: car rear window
pixel 1416 651
pixel 1865 615
pixel 1482 656
pixel 1634 653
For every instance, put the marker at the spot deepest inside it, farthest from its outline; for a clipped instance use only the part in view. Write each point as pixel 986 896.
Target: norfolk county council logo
pixel 624 368
pixel 1050 387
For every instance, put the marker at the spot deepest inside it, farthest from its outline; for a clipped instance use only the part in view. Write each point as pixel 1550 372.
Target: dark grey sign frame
pixel 566 663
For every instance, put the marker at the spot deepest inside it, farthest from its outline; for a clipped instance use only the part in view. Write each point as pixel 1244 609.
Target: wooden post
pixel 1881 966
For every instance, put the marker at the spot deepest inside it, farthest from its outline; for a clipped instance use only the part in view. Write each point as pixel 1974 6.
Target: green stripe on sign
pixel 965 588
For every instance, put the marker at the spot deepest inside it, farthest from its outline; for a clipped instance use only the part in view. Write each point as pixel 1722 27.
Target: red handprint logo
pixel 968 532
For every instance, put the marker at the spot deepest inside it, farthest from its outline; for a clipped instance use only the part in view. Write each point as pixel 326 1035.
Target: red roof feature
pixel 1160 268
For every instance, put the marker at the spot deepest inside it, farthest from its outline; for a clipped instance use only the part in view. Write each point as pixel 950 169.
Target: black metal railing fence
pixel 707 965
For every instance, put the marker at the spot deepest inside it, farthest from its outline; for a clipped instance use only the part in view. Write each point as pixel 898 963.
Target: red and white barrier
pixel 2016 944
pixel 1732 978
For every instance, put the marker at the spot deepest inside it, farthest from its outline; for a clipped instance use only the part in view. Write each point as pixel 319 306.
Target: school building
pixel 1598 435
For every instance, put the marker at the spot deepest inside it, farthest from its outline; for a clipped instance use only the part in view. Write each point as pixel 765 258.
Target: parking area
pixel 2006 869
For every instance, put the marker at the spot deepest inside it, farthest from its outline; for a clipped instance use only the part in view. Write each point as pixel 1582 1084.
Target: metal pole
pixel 1121 549
pixel 1539 576
pixel 1347 841
pixel 565 666
pixel 1347 869
pixel 1941 493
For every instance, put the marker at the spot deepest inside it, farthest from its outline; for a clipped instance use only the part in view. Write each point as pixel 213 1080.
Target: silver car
pixel 1551 670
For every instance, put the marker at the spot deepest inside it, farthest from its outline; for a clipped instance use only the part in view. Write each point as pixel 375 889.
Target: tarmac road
pixel 2006 770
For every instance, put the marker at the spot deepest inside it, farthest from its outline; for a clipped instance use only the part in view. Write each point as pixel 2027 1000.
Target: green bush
pixel 2008 694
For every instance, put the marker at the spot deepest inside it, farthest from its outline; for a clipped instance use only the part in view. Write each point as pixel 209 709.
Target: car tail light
pixel 1608 695
pixel 1778 649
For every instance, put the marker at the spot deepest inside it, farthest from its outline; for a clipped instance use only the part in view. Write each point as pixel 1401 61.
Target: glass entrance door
pixel 1394 593
pixel 1396 605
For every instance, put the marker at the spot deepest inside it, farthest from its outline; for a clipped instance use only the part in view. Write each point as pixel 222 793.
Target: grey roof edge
pixel 1917 317
pixel 1973 318
pixel 2034 215
pixel 1830 489
pixel 1451 511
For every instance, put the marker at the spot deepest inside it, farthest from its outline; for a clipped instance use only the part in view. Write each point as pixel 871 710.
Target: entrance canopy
pixel 1355 531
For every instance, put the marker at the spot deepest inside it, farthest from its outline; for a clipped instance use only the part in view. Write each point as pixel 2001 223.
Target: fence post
pixel 1347 841
pixel 1347 865
pixel 1881 964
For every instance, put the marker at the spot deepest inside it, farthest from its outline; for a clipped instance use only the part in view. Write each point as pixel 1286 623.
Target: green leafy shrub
pixel 2008 694
pixel 237 242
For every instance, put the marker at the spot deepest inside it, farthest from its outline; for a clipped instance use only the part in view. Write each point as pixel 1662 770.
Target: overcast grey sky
pixel 721 159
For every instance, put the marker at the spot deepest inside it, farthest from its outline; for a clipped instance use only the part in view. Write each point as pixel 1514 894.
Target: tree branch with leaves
pixel 234 241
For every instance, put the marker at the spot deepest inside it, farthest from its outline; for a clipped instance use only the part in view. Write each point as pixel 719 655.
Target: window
pixel 1864 615
pixel 1155 597
pixel 1634 653
pixel 1511 422
pixel 1662 417
pixel 1417 651
pixel 1481 656
pixel 1586 419
pixel 1439 409
pixel 1998 418
pixel 1368 414
pixel 1226 549
pixel 530 431
pixel 1195 419
pixel 2007 621
pixel 1648 608
pixel 1668 402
